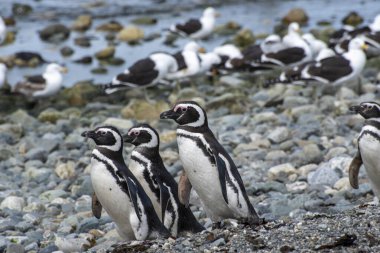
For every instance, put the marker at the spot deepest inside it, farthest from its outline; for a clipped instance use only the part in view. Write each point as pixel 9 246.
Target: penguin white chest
pixel 115 201
pixel 204 178
pixel 137 170
pixel 370 150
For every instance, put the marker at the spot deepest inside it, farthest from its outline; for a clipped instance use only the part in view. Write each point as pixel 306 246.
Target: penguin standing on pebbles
pixel 147 166
pixel 118 191
pixel 209 168
pixel 368 146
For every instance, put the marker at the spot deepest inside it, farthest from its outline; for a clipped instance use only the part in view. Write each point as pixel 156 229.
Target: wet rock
pixel 353 19
pixel 106 53
pixel 19 9
pixel 10 37
pixel 144 21
pixel 244 38
pixel 65 170
pixel 130 34
pixel 112 26
pixel 66 51
pixel 13 203
pixel 54 33
pixel 142 110
pixel 82 23
pixel 80 93
pixel 115 61
pixel 82 41
pixel 99 70
pixel 297 15
pixel 84 60
pixel 228 28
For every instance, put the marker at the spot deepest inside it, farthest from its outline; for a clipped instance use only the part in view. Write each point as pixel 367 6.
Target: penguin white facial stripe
pixel 117 145
pixel 201 119
pixel 154 140
pixel 109 162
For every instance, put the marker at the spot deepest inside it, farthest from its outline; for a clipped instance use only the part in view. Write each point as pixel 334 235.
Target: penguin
pixel 147 166
pixel 368 146
pixel 209 168
pixel 118 191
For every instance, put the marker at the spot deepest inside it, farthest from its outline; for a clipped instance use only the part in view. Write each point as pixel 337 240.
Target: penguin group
pixel 144 200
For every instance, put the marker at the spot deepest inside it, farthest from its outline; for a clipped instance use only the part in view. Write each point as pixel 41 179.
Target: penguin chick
pixel 210 170
pixel 147 166
pixel 368 146
pixel 118 190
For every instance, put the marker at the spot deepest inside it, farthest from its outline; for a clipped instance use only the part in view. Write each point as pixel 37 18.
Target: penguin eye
pixel 103 133
pixel 183 109
pixel 136 133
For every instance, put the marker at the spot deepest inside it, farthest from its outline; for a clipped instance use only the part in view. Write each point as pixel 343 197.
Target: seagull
pixel 3 30
pixel 144 73
pixel 197 28
pixel 253 53
pixel 226 53
pixel 188 62
pixel 47 84
pixel 315 44
pixel 335 69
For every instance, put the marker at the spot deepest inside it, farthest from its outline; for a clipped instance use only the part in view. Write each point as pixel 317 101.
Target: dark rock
pixel 54 33
pixel 352 18
pixel 112 26
pixel 84 60
pixel 99 70
pixel 144 21
pixel 66 51
pixel 297 15
pixel 19 9
pixel 82 42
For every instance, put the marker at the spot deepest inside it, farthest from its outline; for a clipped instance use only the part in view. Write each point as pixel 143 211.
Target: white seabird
pixel 197 28
pixel 47 84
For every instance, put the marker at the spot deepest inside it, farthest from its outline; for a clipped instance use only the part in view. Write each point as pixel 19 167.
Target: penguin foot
pixel 375 202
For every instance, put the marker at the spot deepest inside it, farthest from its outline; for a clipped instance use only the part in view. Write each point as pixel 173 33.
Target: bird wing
pixel 133 195
pixel 180 60
pixel 164 196
pixel 96 206
pixel 331 68
pixel 288 55
pixel 36 79
pixel 191 26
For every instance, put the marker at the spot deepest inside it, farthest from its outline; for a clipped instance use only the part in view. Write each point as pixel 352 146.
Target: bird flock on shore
pixel 142 198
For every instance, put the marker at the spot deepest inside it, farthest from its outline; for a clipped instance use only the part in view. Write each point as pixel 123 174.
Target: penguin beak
pixel 88 134
pixel 355 108
pixel 128 139
pixel 170 115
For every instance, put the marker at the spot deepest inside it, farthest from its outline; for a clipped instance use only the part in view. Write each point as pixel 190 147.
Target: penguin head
pixel 367 109
pixel 107 137
pixel 143 135
pixel 187 113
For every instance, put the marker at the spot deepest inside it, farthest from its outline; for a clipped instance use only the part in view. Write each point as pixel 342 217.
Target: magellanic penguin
pixel 118 191
pixel 209 168
pixel 147 166
pixel 368 146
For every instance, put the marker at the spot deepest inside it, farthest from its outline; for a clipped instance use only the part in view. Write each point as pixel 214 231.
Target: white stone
pixel 119 123
pixel 13 202
pixel 65 170
pixel 286 168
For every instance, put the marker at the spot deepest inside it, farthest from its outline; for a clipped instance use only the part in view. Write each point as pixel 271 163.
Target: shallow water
pixel 260 16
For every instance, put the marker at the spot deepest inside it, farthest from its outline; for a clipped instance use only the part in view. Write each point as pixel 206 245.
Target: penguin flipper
pixel 353 171
pixel 222 171
pixel 133 195
pixel 184 189
pixel 164 198
pixel 96 206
